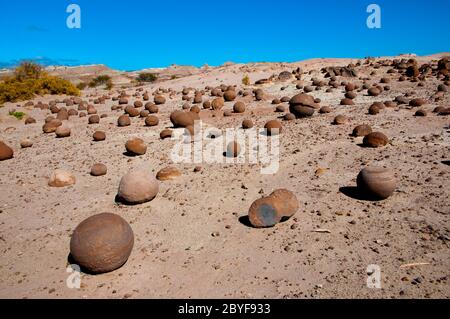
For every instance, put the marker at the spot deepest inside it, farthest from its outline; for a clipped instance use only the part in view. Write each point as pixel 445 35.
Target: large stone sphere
pixel 102 243
pixel 138 187
pixel 377 182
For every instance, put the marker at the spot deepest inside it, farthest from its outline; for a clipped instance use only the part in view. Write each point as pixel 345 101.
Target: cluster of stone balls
pixel 103 242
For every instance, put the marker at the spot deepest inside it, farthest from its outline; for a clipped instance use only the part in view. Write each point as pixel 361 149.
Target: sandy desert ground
pixel 192 240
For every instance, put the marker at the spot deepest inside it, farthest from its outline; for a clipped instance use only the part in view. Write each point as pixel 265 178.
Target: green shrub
pixel 246 80
pixel 81 86
pixel 17 115
pixel 29 80
pixel 100 80
pixel 147 77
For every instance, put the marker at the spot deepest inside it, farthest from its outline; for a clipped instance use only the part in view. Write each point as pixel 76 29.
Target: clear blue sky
pixel 136 34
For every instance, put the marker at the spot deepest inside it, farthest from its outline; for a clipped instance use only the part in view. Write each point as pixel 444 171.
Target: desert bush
pixel 28 70
pixel 81 86
pixel 109 85
pixel 147 77
pixel 30 79
pixel 100 80
pixel 246 80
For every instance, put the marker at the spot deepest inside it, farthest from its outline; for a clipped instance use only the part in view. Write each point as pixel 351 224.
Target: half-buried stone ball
pixel 138 187
pixel 377 182
pixel 289 117
pixel 98 169
pixel 136 146
pixel 51 126
pixel 123 120
pixel 340 120
pixel 288 202
pixel 217 103
pixel 62 132
pixel 325 109
pixel 166 133
pixel 373 91
pixel 168 173
pixel 159 99
pixel 94 119
pixel 99 136
pixel 26 143
pixel 229 95
pixel 374 109
pixel 362 130
pixel 6 152
pixel 152 108
pixel 420 112
pixel 60 178
pixel 239 107
pixel 151 120
pixel 347 101
pixel 183 119
pixel 375 139
pixel 247 124
pixel 30 120
pixel 302 105
pixel 102 243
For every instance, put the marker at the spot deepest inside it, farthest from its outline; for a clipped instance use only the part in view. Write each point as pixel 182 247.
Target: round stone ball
pixel 136 146
pixel 99 136
pixel 62 132
pixel 102 243
pixel 247 124
pixel 99 169
pixel 239 107
pixel 138 187
pixel 151 120
pixel 123 120
pixel 375 139
pixel 340 120
pixel 362 130
pixel 377 182
pixel 264 212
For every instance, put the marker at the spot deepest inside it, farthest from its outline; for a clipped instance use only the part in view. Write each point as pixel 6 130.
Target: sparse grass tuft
pixel 147 77
pixel 101 80
pixel 17 115
pixel 246 80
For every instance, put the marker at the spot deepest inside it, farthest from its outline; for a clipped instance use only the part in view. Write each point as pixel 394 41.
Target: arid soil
pixel 192 240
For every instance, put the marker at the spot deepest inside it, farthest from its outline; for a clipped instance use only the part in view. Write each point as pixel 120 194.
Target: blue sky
pixel 135 34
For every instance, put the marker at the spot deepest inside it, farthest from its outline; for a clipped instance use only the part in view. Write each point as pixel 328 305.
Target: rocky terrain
pixel 193 230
